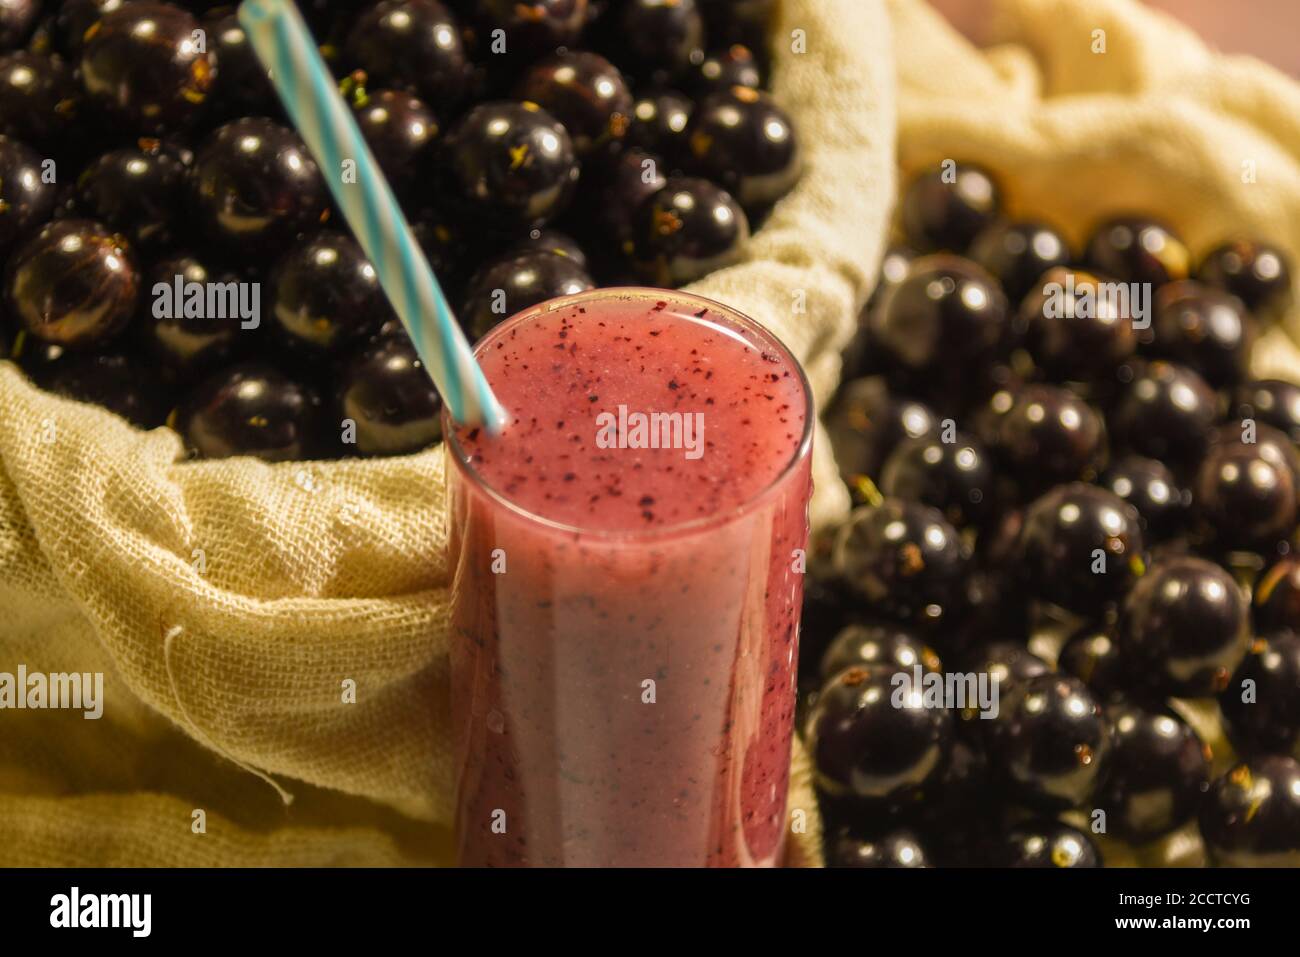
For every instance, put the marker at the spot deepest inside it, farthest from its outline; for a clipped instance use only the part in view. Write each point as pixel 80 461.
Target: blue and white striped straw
pixel 283 43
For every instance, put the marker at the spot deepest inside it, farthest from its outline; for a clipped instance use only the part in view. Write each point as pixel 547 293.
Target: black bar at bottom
pixel 332 907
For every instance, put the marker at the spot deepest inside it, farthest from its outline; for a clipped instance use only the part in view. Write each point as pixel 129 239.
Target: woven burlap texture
pixel 227 602
pixel 1090 107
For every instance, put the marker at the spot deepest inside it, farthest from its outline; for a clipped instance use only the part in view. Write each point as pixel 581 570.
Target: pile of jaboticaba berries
pixel 1068 482
pixel 171 247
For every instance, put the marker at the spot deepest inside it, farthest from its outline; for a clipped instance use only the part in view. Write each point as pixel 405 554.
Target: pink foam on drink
pixel 558 373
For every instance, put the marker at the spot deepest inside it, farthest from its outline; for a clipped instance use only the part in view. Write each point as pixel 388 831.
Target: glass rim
pixel 803 450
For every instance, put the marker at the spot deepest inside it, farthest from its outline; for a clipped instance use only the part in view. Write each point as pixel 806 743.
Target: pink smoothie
pixel 627 580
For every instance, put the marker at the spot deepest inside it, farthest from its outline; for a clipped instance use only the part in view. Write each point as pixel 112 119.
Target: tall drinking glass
pixel 627 565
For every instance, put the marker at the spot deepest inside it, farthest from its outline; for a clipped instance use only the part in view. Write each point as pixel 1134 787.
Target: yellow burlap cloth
pixel 1091 107
pixel 227 603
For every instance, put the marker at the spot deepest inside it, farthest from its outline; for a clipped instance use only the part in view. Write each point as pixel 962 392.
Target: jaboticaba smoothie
pixel 627 579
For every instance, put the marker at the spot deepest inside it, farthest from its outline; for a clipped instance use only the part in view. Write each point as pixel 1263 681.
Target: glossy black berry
pixel 1251 817
pixel 26 199
pixel 1246 492
pixel 947 208
pixel 659 36
pixel 1184 626
pixel 1204 328
pixel 587 94
pixel 1261 704
pixel 250 409
pixel 1080 546
pixel 900 848
pixel 135 192
pixel 944 322
pixel 40 99
pixel 1165 413
pixel 879 643
pixel 867 422
pixel 240 84
pixel 1048 435
pixel 17 18
pixel 143 64
pixel 1046 844
pixel 536 27
pixel 620 189
pixel 1136 249
pixel 510 166
pixel 325 294
pixel 1258 274
pixel 871 738
pixel 1092 655
pixel 185 340
pixel 550 241
pixel 741 139
pixel 904 558
pixel 118 382
pixel 75 17
pixel 660 124
pixel 864 355
pixel 1053 749
pixel 723 69
pixel 387 394
pixel 688 229
pixel 1164 507
pixel 1072 330
pixel 1008 662
pixel 1271 401
pixel 413 45
pixel 508 286
pixel 75 283
pixel 400 131
pixel 1159 772
pixel 1017 254
pixel 1276 597
pixel 955 477
pixel 254 188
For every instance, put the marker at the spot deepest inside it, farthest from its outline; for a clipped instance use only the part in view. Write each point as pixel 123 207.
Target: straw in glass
pixel 285 46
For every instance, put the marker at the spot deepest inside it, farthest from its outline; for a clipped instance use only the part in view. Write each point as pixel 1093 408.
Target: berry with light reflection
pixel 1251 817
pixel 946 208
pixel 877 643
pixel 250 409
pixel 742 140
pixel 1159 772
pixel 1018 254
pixel 1165 413
pixel 1185 627
pixel 1052 751
pixel 1259 274
pixel 1080 547
pixel 145 64
pixel 1048 435
pixel 75 283
pixel 1261 704
pixel 1203 328
pixel 864 747
pixel 1072 330
pixel 867 422
pixel 510 166
pixel 904 558
pixel 955 477
pixel 1046 844
pixel 1149 486
pixel 943 324
pixel 1138 249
